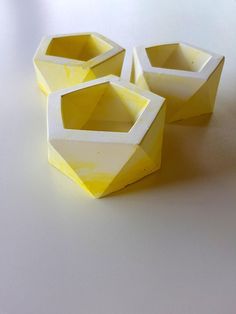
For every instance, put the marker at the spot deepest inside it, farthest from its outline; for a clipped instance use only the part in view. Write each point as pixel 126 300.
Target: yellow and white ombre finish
pixel 105 134
pixel 62 61
pixel 186 76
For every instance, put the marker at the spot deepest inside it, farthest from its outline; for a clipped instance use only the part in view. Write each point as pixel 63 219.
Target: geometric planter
pixel 105 134
pixel 186 76
pixel 65 60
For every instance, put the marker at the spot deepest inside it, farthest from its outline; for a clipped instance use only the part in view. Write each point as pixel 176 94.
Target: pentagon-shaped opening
pixel 103 107
pixel 78 47
pixel 177 57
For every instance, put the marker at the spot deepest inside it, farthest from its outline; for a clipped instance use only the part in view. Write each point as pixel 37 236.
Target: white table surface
pixel 166 244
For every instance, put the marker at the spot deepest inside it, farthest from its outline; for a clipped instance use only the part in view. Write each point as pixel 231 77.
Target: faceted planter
pixel 65 60
pixel 186 76
pixel 105 134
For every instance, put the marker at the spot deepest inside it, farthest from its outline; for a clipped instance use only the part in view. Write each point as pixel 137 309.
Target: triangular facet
pixel 152 141
pixel 203 100
pixel 138 166
pixel 95 164
pixel 61 76
pixel 111 66
pixel 58 162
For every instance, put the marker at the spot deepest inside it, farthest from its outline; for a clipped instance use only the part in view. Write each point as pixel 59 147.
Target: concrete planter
pixel 186 76
pixel 105 134
pixel 65 60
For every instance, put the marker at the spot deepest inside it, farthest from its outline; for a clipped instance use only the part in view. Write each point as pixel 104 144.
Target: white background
pixel 166 244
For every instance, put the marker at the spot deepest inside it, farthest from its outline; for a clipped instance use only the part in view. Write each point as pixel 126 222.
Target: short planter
pixel 105 134
pixel 186 76
pixel 65 60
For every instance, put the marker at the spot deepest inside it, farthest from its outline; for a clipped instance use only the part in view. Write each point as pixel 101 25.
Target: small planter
pixel 65 60
pixel 186 76
pixel 105 134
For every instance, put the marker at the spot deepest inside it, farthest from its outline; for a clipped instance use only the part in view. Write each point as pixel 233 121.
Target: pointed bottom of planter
pixel 100 184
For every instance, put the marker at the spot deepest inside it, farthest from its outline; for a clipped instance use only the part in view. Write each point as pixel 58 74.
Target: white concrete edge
pixel 41 55
pixel 203 74
pixel 56 130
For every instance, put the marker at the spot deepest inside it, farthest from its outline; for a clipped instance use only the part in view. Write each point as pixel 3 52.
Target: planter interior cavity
pixel 62 61
pixel 103 107
pixel 177 57
pixel 78 47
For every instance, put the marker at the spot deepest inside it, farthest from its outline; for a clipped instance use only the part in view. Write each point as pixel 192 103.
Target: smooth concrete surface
pixel 165 245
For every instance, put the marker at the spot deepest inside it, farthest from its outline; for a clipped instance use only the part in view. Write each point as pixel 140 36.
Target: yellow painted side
pixel 97 182
pixel 112 65
pixel 137 167
pixel 58 162
pixel 93 182
pixel 202 101
pixel 92 165
pixel 41 81
pixel 56 76
pixel 152 141
pixel 197 105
